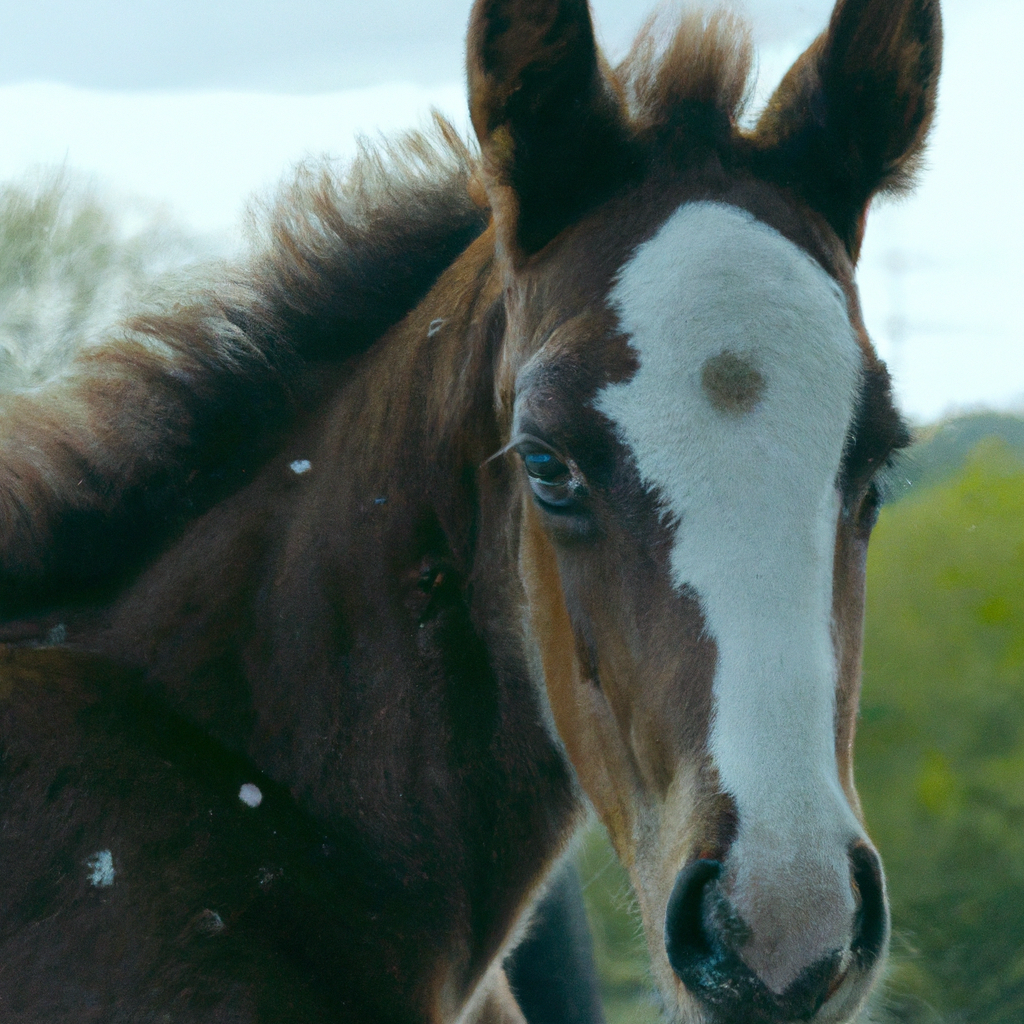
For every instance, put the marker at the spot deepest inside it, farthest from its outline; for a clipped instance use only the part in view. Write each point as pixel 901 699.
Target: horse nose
pixel 704 936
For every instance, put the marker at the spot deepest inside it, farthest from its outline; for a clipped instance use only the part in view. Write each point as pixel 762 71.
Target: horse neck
pixel 394 551
pixel 356 631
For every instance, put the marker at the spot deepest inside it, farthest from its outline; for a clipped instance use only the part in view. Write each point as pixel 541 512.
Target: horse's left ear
pixel 548 119
pixel 851 117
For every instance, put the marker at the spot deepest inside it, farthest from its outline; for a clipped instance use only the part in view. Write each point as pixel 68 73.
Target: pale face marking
pixel 752 492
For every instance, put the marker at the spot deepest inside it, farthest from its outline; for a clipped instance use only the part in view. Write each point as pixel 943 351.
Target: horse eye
pixel 555 484
pixel 544 466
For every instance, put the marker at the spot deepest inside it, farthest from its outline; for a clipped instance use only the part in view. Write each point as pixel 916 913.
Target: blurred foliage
pixel 620 950
pixel 942 449
pixel 940 748
pixel 69 267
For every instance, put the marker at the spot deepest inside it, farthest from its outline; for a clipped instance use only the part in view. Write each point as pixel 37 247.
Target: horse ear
pixel 851 117
pixel 549 122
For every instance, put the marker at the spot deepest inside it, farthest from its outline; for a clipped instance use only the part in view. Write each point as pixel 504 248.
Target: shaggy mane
pixel 142 432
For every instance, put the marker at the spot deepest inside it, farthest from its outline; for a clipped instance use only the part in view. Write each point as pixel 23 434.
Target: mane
pixel 139 433
pixel 676 74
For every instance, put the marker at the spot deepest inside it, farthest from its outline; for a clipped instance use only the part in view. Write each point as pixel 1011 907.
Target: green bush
pixel 941 450
pixel 620 950
pixel 940 749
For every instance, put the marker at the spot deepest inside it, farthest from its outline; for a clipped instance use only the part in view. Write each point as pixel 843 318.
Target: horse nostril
pixel 871 927
pixel 687 943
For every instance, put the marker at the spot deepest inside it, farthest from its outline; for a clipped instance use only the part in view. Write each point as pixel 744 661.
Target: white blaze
pixel 753 496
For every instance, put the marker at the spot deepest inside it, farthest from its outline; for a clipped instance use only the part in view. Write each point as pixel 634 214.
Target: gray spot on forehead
pixel 732 382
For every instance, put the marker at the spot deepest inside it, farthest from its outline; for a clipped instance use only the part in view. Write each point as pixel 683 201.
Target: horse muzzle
pixel 732 970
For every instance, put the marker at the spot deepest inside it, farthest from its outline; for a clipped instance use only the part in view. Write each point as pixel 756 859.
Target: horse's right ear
pixel 851 117
pixel 549 122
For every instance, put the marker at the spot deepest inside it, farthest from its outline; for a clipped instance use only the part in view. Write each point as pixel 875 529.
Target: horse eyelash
pixel 515 442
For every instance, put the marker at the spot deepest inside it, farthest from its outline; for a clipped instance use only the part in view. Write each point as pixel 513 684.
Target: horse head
pixel 695 416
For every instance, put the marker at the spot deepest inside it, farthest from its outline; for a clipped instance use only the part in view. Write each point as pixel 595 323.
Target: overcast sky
pixel 283 45
pixel 199 105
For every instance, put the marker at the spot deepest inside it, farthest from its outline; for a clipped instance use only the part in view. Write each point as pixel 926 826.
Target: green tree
pixel 70 267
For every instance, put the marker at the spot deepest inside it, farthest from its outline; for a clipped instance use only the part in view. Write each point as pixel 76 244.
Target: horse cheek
pixel 583 719
pixel 848 606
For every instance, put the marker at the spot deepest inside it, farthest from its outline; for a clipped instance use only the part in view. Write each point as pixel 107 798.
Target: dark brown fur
pixel 355 637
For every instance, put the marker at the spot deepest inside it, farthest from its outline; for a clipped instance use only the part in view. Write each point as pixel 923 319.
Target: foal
pixel 397 574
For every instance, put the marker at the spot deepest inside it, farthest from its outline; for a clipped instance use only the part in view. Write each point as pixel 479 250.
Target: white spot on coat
pixel 101 869
pixel 209 922
pixel 57 635
pixel 250 795
pixel 300 466
pixel 435 326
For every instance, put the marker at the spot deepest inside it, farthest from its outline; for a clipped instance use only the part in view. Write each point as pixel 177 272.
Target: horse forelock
pixel 672 70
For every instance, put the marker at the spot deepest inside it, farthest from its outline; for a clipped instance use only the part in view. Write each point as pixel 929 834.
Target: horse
pixel 501 484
